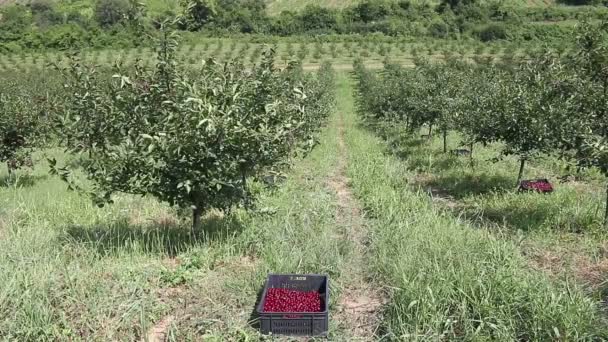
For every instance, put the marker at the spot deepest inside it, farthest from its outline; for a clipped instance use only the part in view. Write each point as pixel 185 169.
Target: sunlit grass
pixel 449 277
pixel 71 270
pixel 497 265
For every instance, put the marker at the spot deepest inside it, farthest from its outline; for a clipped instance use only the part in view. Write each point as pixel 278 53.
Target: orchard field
pixel 147 190
pixel 340 51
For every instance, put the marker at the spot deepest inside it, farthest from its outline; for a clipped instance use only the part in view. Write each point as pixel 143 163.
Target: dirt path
pixel 214 304
pixel 359 306
pixel 158 332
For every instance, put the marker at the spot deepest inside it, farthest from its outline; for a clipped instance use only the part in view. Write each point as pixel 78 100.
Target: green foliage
pixel 111 12
pixel 244 16
pixel 45 25
pixel 456 4
pixel 15 21
pixel 123 23
pixel 369 11
pixel 183 273
pixel 317 18
pixel 197 14
pixel 591 62
pixel 543 106
pixel 23 122
pixel 492 32
pixel 439 29
pixel 189 137
pixel 450 273
pixel 589 120
pixel 44 13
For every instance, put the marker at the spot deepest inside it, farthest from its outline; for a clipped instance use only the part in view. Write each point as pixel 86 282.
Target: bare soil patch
pixel 158 332
pixel 211 303
pixel 590 272
pixel 360 303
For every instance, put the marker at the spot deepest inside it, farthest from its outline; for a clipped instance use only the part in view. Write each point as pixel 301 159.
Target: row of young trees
pixel 548 105
pixel 26 106
pixel 364 46
pixel 189 137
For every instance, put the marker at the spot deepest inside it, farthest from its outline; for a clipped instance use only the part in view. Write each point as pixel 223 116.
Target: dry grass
pixel 588 269
pixel 361 303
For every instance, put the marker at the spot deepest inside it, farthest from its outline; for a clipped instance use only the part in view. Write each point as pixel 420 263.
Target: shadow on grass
pixel 419 155
pixel 408 143
pixel 527 217
pixel 77 162
pixel 166 239
pixel 21 181
pixel 254 317
pixel 462 186
pixel 430 161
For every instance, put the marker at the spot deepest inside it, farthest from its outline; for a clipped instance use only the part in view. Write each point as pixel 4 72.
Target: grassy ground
pixel 560 233
pixel 351 209
pixel 449 279
pixel 73 271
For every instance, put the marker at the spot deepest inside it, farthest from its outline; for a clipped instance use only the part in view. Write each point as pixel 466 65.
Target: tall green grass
pixel 448 279
pixel 560 233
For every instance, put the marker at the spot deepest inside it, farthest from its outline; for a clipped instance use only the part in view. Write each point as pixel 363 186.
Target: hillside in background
pixel 274 6
pixel 277 6
pixel 95 24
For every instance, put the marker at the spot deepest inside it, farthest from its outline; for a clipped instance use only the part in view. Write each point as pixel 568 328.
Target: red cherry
pixel 285 300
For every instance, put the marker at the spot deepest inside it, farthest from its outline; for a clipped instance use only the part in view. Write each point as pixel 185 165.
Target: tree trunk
pixel 522 163
pixel 10 169
pixel 197 212
pixel 445 141
pixel 471 154
pixel 245 191
pixel 606 212
pixel 430 131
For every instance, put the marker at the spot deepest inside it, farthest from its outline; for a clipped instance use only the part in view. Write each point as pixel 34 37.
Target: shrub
pixel 439 29
pixel 111 12
pixel 370 10
pixel 492 32
pixel 316 18
pixel 189 138
pixel 581 2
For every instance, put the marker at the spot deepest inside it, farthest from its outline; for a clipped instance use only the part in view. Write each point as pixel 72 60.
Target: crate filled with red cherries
pixel 541 185
pixel 295 305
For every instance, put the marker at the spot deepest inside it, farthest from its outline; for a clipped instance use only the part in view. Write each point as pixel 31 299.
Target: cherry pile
pixel 538 186
pixel 285 300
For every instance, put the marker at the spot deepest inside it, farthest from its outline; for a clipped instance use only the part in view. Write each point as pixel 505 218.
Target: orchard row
pixel 190 137
pixel 550 105
pixel 308 52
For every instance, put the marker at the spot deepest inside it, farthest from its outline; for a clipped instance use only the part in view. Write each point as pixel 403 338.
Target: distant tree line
pixel 391 17
pixel 42 24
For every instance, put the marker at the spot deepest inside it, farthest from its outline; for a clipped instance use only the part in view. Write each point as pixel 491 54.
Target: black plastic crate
pixel 296 323
pixel 529 185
